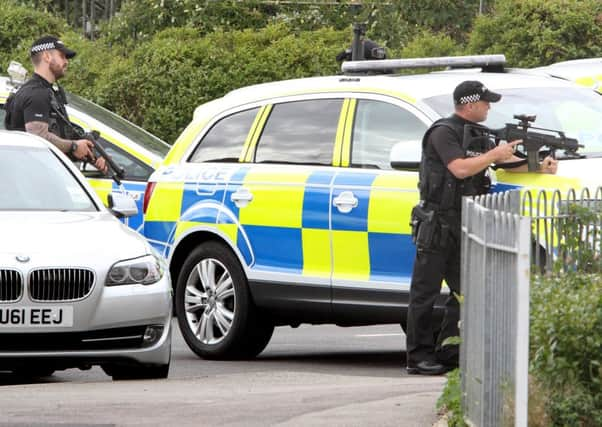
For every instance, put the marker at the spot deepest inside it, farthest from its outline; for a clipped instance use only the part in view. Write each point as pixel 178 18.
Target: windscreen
pixel 576 112
pixel 33 179
pixel 119 124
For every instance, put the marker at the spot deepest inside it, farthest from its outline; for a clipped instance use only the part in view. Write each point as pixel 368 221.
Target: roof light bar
pixel 386 65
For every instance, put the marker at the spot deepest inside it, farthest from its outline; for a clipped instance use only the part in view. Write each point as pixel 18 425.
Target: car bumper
pixel 129 323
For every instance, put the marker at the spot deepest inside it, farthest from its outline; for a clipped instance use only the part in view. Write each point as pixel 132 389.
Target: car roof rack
pixel 489 63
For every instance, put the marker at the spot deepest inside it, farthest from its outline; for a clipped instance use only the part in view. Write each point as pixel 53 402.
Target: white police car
pixel 586 72
pixel 131 147
pixel 77 287
pixel 278 204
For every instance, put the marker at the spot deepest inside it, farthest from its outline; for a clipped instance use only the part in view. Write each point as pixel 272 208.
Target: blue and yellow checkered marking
pixel 316 200
pixel 291 224
pixel 372 242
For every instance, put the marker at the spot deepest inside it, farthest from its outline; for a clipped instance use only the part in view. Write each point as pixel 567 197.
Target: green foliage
pixel 395 22
pixel 162 81
pixel 451 17
pixel 427 43
pixel 88 66
pixel 581 242
pixel 141 19
pixel 450 400
pixel 539 32
pixel 566 345
pixel 19 27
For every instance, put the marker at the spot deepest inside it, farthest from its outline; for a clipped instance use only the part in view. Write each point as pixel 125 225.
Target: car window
pixel 225 140
pixel 2 114
pixel 300 132
pixel 377 128
pixel 135 170
pixel 575 111
pixel 35 179
pixel 119 124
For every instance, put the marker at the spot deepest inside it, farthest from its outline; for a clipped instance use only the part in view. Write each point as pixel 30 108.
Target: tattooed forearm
pixel 41 129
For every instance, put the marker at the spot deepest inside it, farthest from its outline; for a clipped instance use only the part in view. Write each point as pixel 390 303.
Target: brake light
pixel 148 192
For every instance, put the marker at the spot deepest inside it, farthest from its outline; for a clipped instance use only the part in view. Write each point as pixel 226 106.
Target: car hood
pixel 574 173
pixel 67 238
pixel 585 171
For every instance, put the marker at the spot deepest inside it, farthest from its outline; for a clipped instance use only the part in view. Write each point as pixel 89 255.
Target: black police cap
pixel 473 91
pixel 49 43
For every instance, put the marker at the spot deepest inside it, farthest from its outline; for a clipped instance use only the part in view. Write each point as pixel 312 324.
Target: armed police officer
pixel 450 168
pixel 38 106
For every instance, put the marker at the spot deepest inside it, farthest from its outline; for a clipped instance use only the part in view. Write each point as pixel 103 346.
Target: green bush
pixel 539 32
pixel 429 44
pixel 566 345
pixel 139 20
pixel 451 17
pixel 19 27
pixel 162 81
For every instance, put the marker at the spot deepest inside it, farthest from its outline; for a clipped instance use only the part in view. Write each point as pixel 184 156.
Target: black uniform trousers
pixel 431 266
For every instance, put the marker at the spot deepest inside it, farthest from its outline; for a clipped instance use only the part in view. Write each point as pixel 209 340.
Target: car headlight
pixel 144 270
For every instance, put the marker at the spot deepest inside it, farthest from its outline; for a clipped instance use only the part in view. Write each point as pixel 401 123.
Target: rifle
pixel 532 139
pixel 117 172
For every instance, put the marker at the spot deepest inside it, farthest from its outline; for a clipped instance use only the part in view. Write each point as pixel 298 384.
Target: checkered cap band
pixel 41 47
pixel 469 98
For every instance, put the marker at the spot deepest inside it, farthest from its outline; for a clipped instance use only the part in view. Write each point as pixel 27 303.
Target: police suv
pixel 137 151
pixel 279 205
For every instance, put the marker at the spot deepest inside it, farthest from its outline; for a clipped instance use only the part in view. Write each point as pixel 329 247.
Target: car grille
pixel 60 284
pixel 11 285
pixel 105 339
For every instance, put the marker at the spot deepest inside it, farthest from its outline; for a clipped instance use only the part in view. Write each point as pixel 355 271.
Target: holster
pixel 424 227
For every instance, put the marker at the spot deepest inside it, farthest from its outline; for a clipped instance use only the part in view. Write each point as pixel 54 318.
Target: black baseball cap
pixel 49 43
pixel 473 91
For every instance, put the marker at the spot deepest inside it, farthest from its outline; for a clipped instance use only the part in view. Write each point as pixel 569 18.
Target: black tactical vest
pixel 439 188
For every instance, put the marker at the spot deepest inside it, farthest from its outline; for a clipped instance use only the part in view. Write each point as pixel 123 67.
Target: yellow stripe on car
pixel 103 188
pixel 348 132
pixel 251 135
pixel 263 116
pixel 316 252
pixel 388 203
pixel 274 204
pixel 352 255
pixel 183 142
pixel 166 203
pixel 537 180
pixel 338 141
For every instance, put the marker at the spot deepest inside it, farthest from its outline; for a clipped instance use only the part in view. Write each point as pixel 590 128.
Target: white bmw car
pixel 77 287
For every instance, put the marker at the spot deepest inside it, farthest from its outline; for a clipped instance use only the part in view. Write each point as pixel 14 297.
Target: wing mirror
pixel 122 205
pixel 405 155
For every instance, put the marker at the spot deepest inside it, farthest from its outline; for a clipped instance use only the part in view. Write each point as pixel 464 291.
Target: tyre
pixel 215 311
pixel 134 372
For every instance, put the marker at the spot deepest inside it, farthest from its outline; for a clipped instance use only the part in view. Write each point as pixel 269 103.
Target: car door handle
pixel 345 202
pixel 241 197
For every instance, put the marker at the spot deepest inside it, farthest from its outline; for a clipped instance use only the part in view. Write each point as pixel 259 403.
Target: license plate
pixel 36 316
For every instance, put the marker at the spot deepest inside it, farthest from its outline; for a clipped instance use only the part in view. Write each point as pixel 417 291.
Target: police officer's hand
pixel 549 165
pixel 84 149
pixel 504 152
pixel 101 165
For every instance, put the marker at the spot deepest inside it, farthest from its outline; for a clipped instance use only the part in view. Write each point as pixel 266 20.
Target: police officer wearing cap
pixel 38 106
pixel 450 169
